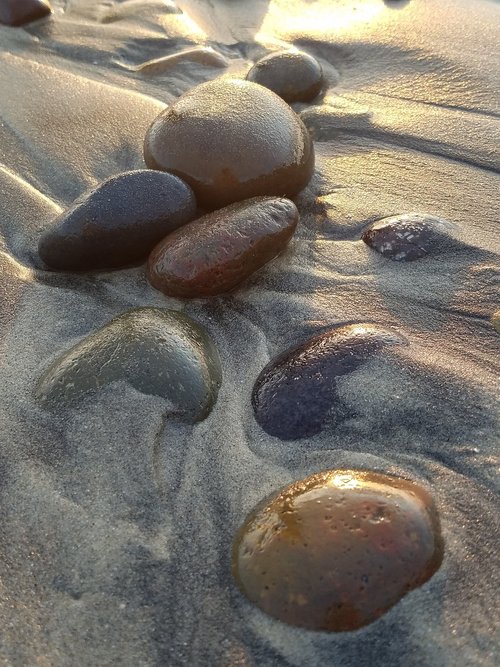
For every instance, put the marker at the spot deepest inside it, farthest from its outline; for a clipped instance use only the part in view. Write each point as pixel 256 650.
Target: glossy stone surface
pixel 293 75
pixel 20 12
pixel 295 392
pixel 404 238
pixel 338 549
pixel 231 140
pixel 119 222
pixel 159 352
pixel 214 254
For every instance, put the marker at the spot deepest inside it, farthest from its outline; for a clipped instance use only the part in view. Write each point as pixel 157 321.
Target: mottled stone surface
pixel 214 254
pixel 159 352
pixel 293 75
pixel 119 222
pixel 407 237
pixel 338 549
pixel 20 12
pixel 295 392
pixel 231 140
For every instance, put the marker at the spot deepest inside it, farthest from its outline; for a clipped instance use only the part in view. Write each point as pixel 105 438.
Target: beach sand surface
pixel 116 519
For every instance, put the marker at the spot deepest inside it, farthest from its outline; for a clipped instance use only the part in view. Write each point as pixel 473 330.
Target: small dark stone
pixel 159 352
pixel 20 12
pixel 295 392
pixel 335 551
pixel 215 253
pixel 293 75
pixel 232 140
pixel 118 223
pixel 404 238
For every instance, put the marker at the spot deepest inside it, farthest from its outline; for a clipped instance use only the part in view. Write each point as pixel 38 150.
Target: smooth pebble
pixel 118 223
pixel 231 140
pixel 21 12
pixel 214 254
pixel 335 551
pixel 404 238
pixel 159 352
pixel 293 75
pixel 294 394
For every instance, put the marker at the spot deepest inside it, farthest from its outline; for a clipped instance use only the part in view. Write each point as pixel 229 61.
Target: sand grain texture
pixel 117 523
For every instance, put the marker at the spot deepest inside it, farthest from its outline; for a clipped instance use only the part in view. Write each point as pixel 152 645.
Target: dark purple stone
pixel 295 392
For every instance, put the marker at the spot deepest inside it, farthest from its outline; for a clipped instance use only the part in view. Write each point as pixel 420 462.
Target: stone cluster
pixel 330 552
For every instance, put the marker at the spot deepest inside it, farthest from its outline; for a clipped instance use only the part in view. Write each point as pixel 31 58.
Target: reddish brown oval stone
pixel 338 549
pixel 215 253
pixel 232 140
pixel 20 12
pixel 293 75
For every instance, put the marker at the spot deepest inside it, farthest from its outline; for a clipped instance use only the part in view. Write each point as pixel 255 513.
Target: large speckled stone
pixel 295 392
pixel 20 12
pixel 159 352
pixel 338 549
pixel 232 140
pixel 119 222
pixel 293 75
pixel 214 254
pixel 404 238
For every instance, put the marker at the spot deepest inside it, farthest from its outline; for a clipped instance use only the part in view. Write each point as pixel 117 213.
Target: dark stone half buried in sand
pixel 232 140
pixel 338 549
pixel 293 75
pixel 295 392
pixel 20 12
pixel 215 253
pixel 159 352
pixel 404 238
pixel 118 223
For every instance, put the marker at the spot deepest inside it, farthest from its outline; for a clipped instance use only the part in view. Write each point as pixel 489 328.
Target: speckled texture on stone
pixel 404 238
pixel 107 559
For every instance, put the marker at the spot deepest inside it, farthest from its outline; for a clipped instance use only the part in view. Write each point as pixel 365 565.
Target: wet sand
pixel 117 522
